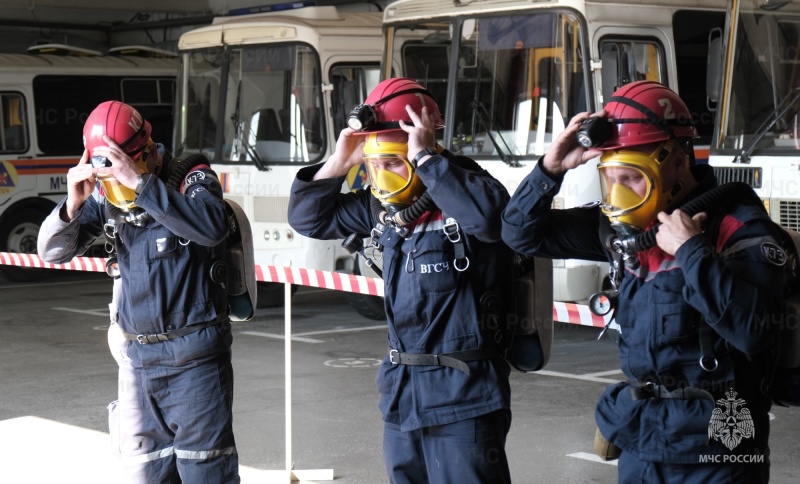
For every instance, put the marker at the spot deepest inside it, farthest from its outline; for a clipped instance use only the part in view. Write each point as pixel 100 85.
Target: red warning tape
pixel 564 312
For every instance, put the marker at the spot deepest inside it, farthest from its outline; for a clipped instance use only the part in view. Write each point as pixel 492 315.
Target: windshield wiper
pixel 238 134
pixel 781 109
pixel 507 155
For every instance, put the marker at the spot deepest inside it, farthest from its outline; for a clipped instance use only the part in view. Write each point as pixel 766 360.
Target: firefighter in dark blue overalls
pixel 693 305
pixel 444 391
pixel 170 330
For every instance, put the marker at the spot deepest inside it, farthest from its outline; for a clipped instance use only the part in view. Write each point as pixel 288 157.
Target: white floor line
pixel 280 336
pixel 575 377
pixel 301 336
pixel 592 457
pixel 103 312
pixel 604 373
pixel 343 330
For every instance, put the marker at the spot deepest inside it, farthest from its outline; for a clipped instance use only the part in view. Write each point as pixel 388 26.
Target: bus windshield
pixel 519 78
pixel 761 107
pixel 255 104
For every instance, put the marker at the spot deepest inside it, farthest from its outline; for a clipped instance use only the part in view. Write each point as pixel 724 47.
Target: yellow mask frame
pixel 392 177
pixel 620 203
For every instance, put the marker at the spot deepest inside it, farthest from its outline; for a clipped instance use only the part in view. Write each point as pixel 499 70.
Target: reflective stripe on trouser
pixel 175 424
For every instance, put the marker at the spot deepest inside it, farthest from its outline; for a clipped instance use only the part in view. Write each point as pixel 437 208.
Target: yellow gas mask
pixel 116 193
pixel 392 178
pixel 633 189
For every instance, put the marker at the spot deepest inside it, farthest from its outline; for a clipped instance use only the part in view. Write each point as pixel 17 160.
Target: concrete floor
pixel 58 377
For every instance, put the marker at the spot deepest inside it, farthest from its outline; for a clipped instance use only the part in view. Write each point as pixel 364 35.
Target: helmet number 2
pixel 667 105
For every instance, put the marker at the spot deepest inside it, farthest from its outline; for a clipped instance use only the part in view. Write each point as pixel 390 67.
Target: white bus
pixel 757 137
pixel 263 95
pixel 511 73
pixel 44 101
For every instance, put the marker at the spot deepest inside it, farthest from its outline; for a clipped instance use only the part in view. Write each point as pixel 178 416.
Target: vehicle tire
pixel 271 294
pixel 19 234
pixel 371 307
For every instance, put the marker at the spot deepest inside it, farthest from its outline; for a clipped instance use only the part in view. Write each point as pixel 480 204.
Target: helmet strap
pixel 651 117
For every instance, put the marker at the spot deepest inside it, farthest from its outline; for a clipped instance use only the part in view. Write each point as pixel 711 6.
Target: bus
pixel 757 99
pixel 265 94
pixel 44 100
pixel 509 74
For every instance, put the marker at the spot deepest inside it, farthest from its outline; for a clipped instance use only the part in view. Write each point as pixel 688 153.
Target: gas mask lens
pixel 624 188
pixel 388 175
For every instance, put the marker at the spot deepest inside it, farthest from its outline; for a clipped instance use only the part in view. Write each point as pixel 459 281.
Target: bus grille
pixel 271 209
pixel 790 214
pixel 751 176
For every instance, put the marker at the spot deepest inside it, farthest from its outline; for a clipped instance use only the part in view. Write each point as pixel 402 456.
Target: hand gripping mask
pixel 386 106
pixel 130 131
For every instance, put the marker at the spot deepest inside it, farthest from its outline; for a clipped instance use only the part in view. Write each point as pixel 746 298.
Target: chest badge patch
pixel 773 253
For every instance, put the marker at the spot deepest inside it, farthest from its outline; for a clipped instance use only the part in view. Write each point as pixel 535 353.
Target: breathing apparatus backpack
pixel 522 328
pixel 236 273
pixel 785 385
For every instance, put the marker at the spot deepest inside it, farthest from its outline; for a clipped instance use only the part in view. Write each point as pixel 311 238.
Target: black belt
pixel 177 333
pixel 640 391
pixel 454 359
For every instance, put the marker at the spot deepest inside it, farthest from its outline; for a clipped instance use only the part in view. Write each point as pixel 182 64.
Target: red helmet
pixel 386 105
pixel 121 123
pixel 647 112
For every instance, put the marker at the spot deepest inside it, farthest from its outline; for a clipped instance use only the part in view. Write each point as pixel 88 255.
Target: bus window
pixel 519 78
pixel 62 105
pixel 629 60
pixel 272 97
pixel 154 99
pixel 691 30
pixel 13 124
pixel 63 102
pixel 351 85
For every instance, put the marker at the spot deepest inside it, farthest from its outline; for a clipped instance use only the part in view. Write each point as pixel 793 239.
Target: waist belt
pixel 454 359
pixel 640 391
pixel 177 333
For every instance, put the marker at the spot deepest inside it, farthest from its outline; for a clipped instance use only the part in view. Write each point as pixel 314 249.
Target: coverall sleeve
pixel 196 212
pixel 738 293
pixel 530 226
pixel 59 241
pixel 475 199
pixel 319 210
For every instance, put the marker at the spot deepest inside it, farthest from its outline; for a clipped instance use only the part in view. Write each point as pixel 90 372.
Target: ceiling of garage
pixel 172 6
pixel 99 24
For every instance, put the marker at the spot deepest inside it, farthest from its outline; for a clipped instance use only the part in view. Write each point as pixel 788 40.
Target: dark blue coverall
pixel 728 284
pixel 173 419
pixel 442 425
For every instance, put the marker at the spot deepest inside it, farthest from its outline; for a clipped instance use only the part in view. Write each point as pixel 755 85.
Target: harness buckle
pixel 451 230
pixel 110 229
pixel 394 357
